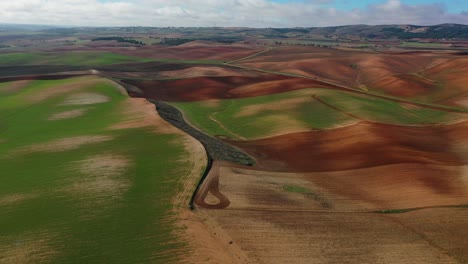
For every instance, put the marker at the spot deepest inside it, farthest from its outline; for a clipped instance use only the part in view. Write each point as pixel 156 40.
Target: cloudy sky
pixel 251 13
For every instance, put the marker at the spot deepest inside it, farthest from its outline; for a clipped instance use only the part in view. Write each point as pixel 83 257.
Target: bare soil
pixel 85 99
pixel 206 88
pixel 59 145
pixel 67 114
pixel 358 146
pixel 304 237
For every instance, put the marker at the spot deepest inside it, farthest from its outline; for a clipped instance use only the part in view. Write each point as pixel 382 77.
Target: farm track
pixel 315 97
pixel 251 56
pixel 211 117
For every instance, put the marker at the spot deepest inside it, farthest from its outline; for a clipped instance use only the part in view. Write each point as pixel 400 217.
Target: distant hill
pixel 443 31
pixel 233 34
pixel 25 27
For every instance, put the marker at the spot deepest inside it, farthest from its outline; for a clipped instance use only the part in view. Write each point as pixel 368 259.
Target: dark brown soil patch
pixel 205 88
pixel 358 146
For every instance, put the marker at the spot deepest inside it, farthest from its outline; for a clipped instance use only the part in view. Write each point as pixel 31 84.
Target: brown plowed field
pixel 359 146
pixel 406 85
pixel 378 188
pixel 409 74
pixel 444 227
pixel 331 217
pixel 306 237
pixel 205 88
pixel 188 52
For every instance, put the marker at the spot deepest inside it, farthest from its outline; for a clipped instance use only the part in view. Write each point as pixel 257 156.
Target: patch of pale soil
pixel 77 84
pixel 212 103
pixel 11 199
pixel 102 183
pixel 15 86
pixel 26 249
pixel 138 113
pixel 59 145
pixel 281 105
pixel 67 114
pixel 463 102
pixel 102 175
pixel 410 107
pixel 85 99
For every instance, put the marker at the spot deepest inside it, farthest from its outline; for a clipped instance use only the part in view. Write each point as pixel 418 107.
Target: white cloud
pixel 252 13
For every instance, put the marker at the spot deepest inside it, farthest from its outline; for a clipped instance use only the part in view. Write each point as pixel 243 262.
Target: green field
pixel 69 58
pixel 267 117
pixel 75 191
pixel 298 110
pixel 382 110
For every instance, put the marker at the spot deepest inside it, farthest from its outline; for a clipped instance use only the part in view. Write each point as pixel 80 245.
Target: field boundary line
pixel 315 97
pixel 251 56
pixel 221 124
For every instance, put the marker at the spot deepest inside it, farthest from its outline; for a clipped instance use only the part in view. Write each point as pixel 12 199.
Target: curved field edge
pixel 303 110
pixel 105 183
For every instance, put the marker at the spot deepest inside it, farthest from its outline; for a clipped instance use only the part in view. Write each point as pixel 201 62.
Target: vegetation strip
pixel 216 149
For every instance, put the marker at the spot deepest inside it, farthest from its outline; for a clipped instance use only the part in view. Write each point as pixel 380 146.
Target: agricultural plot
pixel 430 77
pixel 88 175
pixel 79 58
pixel 356 158
pixel 303 110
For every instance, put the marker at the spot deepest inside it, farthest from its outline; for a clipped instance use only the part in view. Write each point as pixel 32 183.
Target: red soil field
pixel 405 85
pixel 453 75
pixel 205 88
pixel 185 52
pixel 394 73
pixel 195 50
pixel 359 146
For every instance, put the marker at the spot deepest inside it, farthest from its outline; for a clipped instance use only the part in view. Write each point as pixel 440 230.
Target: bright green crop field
pixel 69 58
pixel 264 116
pixel 75 190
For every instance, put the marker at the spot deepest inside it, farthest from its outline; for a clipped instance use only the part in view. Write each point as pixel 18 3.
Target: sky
pixel 232 13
